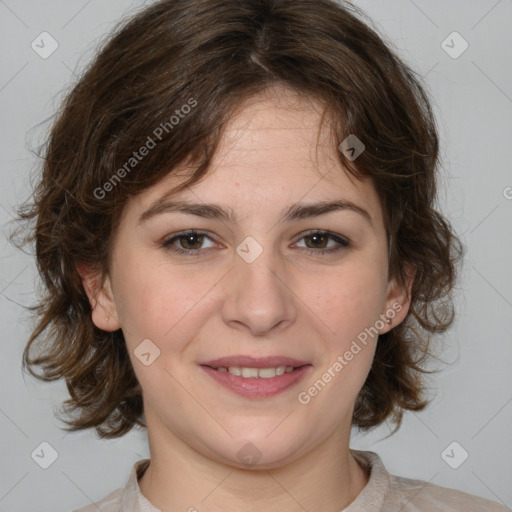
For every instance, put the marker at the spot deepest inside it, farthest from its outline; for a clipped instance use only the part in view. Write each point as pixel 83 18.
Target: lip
pixel 257 388
pixel 254 362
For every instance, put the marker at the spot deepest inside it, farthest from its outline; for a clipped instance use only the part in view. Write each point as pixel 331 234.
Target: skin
pixel 289 301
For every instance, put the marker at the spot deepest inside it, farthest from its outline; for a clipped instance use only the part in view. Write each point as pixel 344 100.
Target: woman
pixel 237 233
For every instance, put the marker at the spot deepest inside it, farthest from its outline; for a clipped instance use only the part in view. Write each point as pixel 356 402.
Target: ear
pixel 398 300
pixel 104 312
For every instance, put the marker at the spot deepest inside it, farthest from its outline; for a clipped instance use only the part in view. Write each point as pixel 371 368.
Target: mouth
pixel 247 372
pixel 257 382
pixel 247 361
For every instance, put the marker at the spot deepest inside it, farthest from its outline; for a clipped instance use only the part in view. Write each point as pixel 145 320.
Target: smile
pixel 257 383
pixel 255 373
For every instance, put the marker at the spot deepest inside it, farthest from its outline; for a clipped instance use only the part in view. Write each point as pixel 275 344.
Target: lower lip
pixel 256 387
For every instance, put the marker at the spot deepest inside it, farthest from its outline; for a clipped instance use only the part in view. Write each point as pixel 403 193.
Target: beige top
pixel 382 493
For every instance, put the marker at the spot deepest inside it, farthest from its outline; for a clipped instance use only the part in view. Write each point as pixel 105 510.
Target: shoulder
pixel 110 503
pixel 419 495
pixel 385 492
pixel 125 498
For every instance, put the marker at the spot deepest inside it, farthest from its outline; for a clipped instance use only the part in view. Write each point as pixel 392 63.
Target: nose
pixel 257 295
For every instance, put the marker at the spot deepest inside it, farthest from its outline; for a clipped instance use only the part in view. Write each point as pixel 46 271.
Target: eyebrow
pixel 296 211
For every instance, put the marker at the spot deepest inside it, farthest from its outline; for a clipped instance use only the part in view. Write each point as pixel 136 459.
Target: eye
pixel 191 242
pixel 319 238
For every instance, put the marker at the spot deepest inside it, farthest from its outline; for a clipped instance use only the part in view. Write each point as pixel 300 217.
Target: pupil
pixel 317 237
pixel 190 238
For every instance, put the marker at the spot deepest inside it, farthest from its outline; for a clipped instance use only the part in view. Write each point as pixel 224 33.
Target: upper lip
pixel 254 362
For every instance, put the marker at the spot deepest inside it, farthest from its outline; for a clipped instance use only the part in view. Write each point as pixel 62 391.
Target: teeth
pixel 250 373
pixel 253 373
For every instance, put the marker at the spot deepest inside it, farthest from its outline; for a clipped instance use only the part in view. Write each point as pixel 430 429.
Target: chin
pixel 261 452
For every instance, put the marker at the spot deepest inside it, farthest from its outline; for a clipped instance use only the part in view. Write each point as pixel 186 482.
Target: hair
pixel 197 61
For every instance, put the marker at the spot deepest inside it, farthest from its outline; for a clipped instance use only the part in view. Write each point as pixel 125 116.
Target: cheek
pixel 159 301
pixel 347 299
pixel 349 306
pixel 145 298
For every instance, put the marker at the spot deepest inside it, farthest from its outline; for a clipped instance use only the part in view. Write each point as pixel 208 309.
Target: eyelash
pixel 167 244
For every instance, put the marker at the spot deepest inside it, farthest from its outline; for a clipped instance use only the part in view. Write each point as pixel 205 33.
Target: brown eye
pixel 320 239
pixel 190 242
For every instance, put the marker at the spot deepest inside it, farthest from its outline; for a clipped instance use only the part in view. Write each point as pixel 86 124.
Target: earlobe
pixel 398 301
pixel 104 312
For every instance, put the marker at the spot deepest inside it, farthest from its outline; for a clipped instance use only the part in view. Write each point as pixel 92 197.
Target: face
pixel 257 285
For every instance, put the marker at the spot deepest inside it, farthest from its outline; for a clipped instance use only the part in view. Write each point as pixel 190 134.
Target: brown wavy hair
pixel 219 53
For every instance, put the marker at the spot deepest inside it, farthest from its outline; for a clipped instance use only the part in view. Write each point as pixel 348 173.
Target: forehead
pixel 273 152
pixel 279 126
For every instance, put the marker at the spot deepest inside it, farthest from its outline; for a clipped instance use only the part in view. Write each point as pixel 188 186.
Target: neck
pixel 327 479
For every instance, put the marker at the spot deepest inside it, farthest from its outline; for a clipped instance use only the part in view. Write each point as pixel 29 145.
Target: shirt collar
pixel 376 495
pixel 133 499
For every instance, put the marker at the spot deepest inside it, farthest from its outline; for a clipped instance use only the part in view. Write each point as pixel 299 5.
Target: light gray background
pixel 473 101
